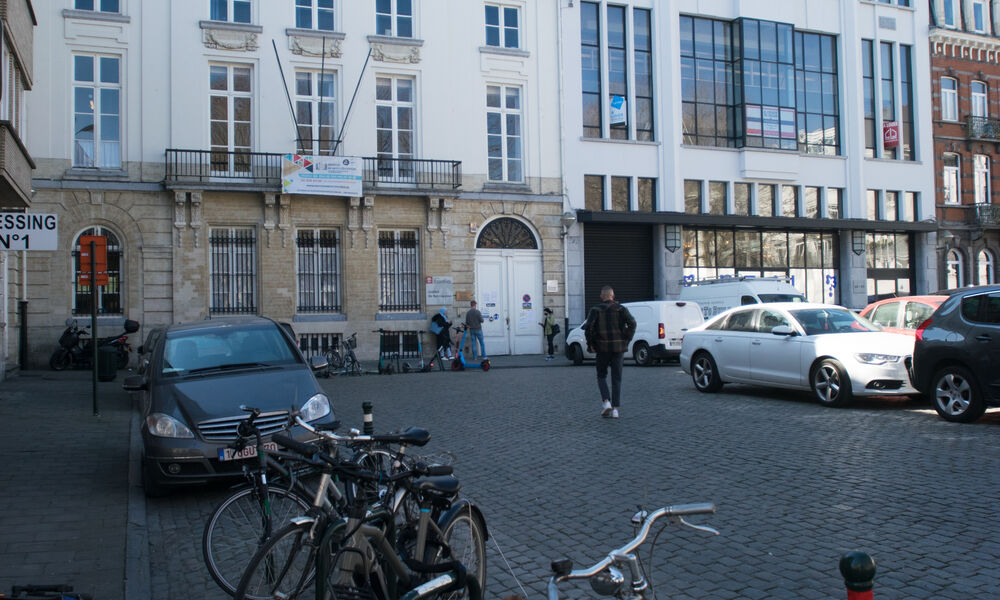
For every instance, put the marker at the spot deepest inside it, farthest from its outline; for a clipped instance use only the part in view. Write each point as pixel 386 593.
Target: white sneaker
pixel 614 413
pixel 606 408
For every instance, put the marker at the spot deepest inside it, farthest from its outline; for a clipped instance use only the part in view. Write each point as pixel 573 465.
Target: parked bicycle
pixel 343 361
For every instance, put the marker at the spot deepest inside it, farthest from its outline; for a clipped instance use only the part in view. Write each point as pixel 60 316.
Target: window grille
pixel 398 271
pixel 318 344
pixel 318 270
pixel 233 271
pixel 109 297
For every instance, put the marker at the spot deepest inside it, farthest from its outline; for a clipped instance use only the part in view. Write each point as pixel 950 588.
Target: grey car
pixel 197 378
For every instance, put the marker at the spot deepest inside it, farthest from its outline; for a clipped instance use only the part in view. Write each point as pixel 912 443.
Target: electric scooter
pixel 424 366
pixel 459 364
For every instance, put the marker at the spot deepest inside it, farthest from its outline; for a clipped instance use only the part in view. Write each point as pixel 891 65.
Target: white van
pixel 659 327
pixel 718 295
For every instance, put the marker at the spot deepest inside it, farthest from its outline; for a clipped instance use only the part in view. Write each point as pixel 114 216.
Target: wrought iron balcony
pixel 987 214
pixel 264 169
pixel 982 128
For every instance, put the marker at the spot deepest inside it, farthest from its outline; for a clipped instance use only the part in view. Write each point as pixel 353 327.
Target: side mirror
pixel 318 362
pixel 135 383
pixel 783 330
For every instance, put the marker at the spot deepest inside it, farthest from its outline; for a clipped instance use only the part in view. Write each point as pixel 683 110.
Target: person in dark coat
pixel 609 329
pixel 441 326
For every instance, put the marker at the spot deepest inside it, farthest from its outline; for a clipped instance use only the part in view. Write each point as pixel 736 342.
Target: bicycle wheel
pixel 283 568
pixel 334 362
pixel 465 535
pixel 235 530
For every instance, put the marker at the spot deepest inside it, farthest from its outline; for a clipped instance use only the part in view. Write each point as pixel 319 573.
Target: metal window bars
pixel 233 271
pixel 398 271
pixel 318 274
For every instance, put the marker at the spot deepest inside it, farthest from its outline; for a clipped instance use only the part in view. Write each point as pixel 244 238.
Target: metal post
pixel 369 427
pixel 93 321
pixel 858 570
pixel 22 315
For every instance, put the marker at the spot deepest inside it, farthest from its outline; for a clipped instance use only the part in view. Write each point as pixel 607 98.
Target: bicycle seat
pixel 445 485
pixel 413 436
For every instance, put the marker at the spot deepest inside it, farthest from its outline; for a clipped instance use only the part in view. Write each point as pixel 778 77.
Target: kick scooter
pixel 459 364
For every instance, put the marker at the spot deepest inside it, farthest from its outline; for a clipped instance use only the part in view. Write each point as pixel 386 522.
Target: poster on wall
pixel 771 118
pixel 619 110
pixel 753 119
pixel 890 134
pixel 321 175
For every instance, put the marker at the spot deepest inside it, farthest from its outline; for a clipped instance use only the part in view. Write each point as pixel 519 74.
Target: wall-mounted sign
pixel 29 231
pixel 99 243
pixel 619 110
pixel 440 290
pixel 321 175
pixel 890 134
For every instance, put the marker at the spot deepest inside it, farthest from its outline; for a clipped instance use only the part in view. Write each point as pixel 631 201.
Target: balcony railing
pixel 987 214
pixel 982 128
pixel 264 169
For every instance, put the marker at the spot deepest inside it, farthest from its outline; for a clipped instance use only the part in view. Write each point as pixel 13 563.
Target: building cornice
pixel 962 44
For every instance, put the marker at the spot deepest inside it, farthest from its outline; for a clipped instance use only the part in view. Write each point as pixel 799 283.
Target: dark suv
pixel 957 353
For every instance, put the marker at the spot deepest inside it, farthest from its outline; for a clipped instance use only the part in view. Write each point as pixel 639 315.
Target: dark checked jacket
pixel 610 327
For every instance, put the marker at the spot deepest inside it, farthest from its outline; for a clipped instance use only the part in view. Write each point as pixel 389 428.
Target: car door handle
pixel 984 337
pixel 718 339
pixel 755 343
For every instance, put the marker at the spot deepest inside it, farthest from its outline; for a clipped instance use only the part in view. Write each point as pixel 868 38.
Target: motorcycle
pixel 76 348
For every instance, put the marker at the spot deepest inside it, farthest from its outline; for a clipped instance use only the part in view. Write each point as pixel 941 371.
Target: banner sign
pixel 619 110
pixel 321 175
pixel 890 134
pixel 100 259
pixel 28 231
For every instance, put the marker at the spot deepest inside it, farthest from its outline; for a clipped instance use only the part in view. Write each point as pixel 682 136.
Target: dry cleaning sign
pixel 29 231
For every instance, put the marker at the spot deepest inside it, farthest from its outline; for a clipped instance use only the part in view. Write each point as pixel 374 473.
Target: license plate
pixel 248 452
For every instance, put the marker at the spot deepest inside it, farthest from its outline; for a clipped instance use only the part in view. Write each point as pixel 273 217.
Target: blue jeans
pixel 613 360
pixel 477 335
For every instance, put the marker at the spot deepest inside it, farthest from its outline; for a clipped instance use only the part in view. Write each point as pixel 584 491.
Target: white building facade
pixel 709 138
pixel 162 125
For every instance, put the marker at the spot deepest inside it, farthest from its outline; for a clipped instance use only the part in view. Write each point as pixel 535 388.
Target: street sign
pixel 100 259
pixel 29 231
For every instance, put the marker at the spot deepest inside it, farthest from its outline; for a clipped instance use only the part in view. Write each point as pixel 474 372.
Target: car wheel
pixel 830 383
pixel 150 485
pixel 956 395
pixel 577 354
pixel 641 354
pixel 705 373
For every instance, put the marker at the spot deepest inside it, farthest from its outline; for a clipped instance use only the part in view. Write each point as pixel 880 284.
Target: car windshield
pixel 781 298
pixel 225 348
pixel 817 321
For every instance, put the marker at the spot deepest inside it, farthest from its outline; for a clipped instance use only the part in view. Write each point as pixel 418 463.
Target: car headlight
pixel 869 358
pixel 162 425
pixel 316 407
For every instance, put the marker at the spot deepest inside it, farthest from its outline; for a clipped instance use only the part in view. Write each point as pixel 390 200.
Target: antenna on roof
pixel 291 109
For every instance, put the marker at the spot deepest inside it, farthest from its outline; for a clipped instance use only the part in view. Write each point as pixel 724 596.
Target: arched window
pixel 506 232
pixel 984 268
pixel 954 265
pixel 109 297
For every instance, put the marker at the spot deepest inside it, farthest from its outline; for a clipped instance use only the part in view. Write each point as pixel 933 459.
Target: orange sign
pixel 100 259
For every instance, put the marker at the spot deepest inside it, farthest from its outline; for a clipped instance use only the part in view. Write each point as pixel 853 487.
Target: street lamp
pixel 567 219
pixel 858 242
pixel 672 238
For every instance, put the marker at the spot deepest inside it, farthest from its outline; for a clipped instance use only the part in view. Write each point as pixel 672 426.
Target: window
pixel 789 201
pixel 834 201
pixel 398 270
pixel 314 14
pixel 811 203
pixel 502 23
pixel 950 19
pixel 707 89
pixel 109 297
pixel 891 212
pixel 953 273
pixel 981 178
pixel 908 210
pixel 230 118
pixel 768 56
pixel 593 192
pixel 907 135
pixel 315 112
pixel 952 191
pixel 741 199
pixel 888 91
pixel 817 102
pixel 236 11
pixel 717 197
pixel 868 83
pixel 318 270
pixel 979 105
pixel 620 193
pixel 394 108
pixel 692 197
pixel 590 50
pixel 886 315
pixel 979 16
pixel 871 201
pixel 949 99
pixel 233 270
pixel 647 194
pixel 984 268
pixel 617 73
pixel 394 18
pixel 97 111
pixel 643 58
pixel 765 200
pixel 503 133
pixel 108 6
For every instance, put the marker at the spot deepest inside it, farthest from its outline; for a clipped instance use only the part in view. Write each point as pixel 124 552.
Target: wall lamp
pixel 672 237
pixel 858 242
pixel 944 239
pixel 567 219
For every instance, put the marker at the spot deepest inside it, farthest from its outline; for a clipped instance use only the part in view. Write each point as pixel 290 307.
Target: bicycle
pixel 607 577
pixel 285 565
pixel 344 362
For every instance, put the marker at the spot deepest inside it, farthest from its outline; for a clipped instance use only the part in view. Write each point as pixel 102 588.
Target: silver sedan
pixel 820 347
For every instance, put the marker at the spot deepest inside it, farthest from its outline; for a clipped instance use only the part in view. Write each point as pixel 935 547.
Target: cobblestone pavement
pixel 796 484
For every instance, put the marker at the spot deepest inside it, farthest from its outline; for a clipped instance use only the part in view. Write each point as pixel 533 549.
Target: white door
pixel 509 292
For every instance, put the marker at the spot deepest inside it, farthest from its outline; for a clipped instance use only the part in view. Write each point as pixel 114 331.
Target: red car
pixel 902 315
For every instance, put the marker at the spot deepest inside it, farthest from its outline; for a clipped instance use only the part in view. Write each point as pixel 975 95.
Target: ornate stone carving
pixel 368 219
pixel 269 201
pixel 284 217
pixel 433 219
pixel 353 217
pixel 180 221
pixel 226 39
pixel 196 215
pixel 303 45
pixel 394 53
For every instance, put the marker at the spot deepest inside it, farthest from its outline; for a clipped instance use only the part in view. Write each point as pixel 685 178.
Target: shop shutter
pixel 620 256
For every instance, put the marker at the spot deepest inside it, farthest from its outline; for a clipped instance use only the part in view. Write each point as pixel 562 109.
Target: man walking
pixel 609 329
pixel 474 321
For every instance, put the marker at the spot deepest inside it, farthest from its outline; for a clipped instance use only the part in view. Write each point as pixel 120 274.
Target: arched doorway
pixel 509 286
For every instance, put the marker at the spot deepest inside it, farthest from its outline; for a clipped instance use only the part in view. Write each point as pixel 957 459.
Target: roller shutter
pixel 620 256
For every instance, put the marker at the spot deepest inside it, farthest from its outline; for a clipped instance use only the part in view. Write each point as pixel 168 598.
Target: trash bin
pixel 107 363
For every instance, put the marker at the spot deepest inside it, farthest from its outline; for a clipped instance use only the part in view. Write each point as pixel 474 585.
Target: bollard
pixel 858 570
pixel 369 427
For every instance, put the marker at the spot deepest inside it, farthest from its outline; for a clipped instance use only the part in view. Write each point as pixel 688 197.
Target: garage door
pixel 620 256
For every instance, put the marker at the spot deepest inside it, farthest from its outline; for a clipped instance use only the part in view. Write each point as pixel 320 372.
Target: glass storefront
pixel 809 259
pixel 889 268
